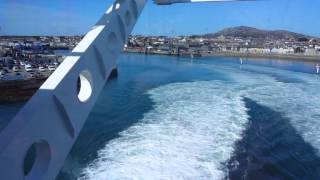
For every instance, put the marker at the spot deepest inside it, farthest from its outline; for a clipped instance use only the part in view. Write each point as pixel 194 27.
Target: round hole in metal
pixel 36 160
pixel 84 86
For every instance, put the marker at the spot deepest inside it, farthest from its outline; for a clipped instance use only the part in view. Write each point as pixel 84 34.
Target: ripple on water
pixel 188 135
pixel 193 128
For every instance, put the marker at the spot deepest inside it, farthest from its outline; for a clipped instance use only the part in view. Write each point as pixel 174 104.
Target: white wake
pixel 192 130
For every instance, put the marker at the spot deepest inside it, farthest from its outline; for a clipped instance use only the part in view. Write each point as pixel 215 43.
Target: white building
pixel 311 52
pixel 282 50
pixel 259 50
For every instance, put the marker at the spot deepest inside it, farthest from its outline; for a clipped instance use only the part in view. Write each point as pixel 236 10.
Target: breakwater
pixel 19 90
pixel 22 90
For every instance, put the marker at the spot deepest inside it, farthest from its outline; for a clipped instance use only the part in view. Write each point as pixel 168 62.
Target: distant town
pixel 38 57
pixel 32 57
pixel 239 41
pixel 26 62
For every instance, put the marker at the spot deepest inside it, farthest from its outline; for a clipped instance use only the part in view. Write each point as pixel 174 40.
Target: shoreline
pixel 15 91
pixel 296 57
pixel 302 58
pixel 22 90
pixel 19 90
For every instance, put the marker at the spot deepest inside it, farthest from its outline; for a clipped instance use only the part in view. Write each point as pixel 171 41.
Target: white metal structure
pixel 168 2
pixel 53 118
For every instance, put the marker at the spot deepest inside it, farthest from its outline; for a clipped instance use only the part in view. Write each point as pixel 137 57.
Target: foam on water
pixel 192 130
pixel 298 101
pixel 188 135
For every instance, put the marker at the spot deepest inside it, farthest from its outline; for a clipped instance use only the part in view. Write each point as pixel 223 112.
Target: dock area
pixel 19 90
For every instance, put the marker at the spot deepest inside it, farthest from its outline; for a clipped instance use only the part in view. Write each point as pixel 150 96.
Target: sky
pixel 76 17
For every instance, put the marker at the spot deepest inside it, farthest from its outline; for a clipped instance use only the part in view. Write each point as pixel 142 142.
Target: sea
pixel 167 117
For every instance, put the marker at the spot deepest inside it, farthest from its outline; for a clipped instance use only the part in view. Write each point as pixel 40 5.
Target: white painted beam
pixel 169 2
pixel 54 116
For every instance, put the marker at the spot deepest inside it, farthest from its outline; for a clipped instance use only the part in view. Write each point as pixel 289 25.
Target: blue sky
pixel 70 17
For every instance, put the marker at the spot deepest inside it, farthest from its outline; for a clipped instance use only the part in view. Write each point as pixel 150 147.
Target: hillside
pixel 254 33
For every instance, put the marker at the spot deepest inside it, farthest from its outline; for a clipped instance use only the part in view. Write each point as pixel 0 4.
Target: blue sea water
pixel 202 118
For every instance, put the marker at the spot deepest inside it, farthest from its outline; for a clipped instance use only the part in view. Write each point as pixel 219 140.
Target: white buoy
pixel 241 62
pixel 318 68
